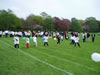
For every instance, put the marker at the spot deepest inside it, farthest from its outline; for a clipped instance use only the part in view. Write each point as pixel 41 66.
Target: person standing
pixel 65 33
pixel 93 37
pixel 58 37
pixel 88 36
pixel 45 40
pixel 27 42
pixel 6 33
pixel 16 41
pixel 84 37
pixel 62 38
pixel 72 39
pixel 0 33
pixel 35 40
pixel 76 40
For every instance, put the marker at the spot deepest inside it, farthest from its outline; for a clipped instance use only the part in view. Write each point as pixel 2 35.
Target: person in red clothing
pixel 27 42
pixel 65 33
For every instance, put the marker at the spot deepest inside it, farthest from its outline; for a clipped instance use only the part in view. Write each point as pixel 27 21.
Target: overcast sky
pixel 81 9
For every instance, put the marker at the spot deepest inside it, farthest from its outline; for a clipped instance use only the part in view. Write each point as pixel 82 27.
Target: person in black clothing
pixel 58 37
pixel 88 36
pixel 33 33
pixel 65 33
pixel 84 37
pixel 93 37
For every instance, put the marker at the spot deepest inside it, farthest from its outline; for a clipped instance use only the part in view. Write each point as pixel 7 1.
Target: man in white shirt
pixel 16 41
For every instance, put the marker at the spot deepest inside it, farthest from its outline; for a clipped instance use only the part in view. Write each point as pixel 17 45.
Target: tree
pixel 75 25
pixel 33 22
pixel 62 25
pixel 44 15
pixel 48 24
pixel 33 19
pixel 65 24
pixel 98 26
pixel 8 20
pixel 92 23
pixel 85 28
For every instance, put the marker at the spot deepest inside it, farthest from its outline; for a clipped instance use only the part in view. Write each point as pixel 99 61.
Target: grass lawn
pixel 63 59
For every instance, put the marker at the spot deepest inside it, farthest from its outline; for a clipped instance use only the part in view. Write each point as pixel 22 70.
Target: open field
pixel 63 59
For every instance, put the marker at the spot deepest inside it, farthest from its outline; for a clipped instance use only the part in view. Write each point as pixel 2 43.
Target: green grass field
pixel 63 59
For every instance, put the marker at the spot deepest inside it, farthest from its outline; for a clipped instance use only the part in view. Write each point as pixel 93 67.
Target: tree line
pixel 9 21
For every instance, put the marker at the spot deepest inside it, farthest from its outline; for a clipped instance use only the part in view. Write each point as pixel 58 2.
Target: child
pixel 35 40
pixel 62 38
pixel 16 41
pixel 58 37
pixel 76 39
pixel 84 37
pixel 72 39
pixel 27 42
pixel 45 40
pixel 67 37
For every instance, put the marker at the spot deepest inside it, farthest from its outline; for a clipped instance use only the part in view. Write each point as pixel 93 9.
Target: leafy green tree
pixel 44 15
pixel 33 19
pixel 48 24
pixel 98 26
pixel 8 20
pixel 82 22
pixel 75 25
pixel 92 23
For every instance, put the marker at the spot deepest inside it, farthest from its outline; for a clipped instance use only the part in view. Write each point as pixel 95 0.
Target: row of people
pixel 74 38
pixel 16 41
pixel 87 35
pixel 45 40
pixel 12 33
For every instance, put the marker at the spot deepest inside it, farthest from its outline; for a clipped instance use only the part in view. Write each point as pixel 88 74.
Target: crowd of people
pixel 60 36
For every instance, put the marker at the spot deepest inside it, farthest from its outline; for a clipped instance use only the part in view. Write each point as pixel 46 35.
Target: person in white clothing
pixel 3 33
pixel 45 40
pixel 72 39
pixel 16 41
pixel 6 33
pixel 0 33
pixel 76 39
pixel 15 33
pixel 62 38
pixel 28 33
pixel 12 33
pixel 35 40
